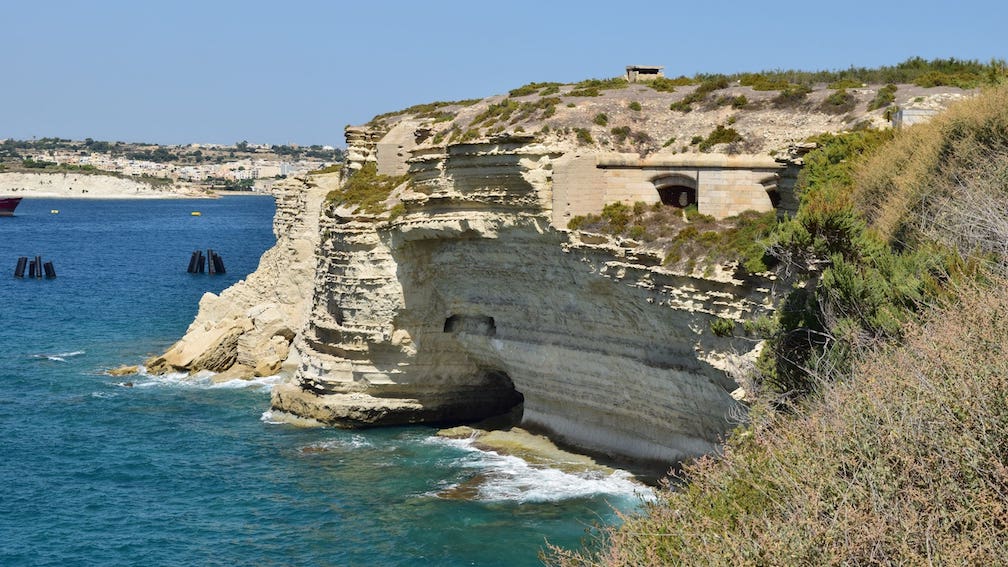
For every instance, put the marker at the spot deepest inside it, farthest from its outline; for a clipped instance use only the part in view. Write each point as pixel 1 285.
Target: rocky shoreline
pixel 91 186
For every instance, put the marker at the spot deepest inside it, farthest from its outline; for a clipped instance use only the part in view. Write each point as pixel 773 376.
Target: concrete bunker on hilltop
pixel 638 73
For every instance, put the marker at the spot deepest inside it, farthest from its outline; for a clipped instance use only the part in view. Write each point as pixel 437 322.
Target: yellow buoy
pixel 54 212
pixel 196 213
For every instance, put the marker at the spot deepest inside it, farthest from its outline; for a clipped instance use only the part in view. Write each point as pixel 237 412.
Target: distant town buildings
pixel 236 170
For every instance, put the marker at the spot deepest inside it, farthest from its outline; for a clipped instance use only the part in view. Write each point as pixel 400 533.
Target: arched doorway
pixel 676 190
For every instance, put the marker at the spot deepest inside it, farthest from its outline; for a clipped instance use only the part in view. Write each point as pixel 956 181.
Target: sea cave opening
pixel 472 324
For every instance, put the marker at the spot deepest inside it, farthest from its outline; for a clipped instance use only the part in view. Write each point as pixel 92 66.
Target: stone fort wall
pixel 723 185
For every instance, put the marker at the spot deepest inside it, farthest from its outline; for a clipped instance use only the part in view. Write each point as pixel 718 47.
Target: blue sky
pixel 298 71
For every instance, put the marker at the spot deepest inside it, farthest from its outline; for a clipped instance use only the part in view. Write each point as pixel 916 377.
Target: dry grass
pixel 907 465
pixel 897 188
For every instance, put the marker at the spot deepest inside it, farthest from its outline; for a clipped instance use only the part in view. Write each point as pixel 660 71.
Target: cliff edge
pixel 436 280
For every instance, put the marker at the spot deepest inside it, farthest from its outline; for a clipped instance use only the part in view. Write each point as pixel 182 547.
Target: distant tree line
pixel 13 149
pixel 313 152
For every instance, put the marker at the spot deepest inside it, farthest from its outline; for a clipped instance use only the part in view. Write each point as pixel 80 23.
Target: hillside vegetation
pixel 877 430
pixel 754 112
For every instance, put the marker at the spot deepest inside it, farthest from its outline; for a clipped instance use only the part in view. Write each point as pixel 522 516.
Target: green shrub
pixel 603 84
pixel 845 84
pixel 838 102
pixel 681 106
pixel 500 111
pixel 366 189
pixel 601 119
pixel 696 140
pixel 762 327
pixel 883 98
pixel 397 211
pixel 584 136
pixel 532 88
pixel 666 85
pixel 429 109
pixel 711 84
pixel 618 216
pixel 719 135
pixel 593 87
pixel 761 82
pixel 791 96
pixel 635 106
pixel 334 168
pixel 669 142
pixel 576 222
pixel 722 327
pixel 621 133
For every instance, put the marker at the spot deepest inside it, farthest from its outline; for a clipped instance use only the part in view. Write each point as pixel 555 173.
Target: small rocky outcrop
pixel 248 329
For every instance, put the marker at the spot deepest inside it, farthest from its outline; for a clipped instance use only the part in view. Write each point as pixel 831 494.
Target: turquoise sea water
pixel 183 472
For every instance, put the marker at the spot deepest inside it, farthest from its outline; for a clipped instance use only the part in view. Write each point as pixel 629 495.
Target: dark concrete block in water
pixel 38 267
pixel 218 264
pixel 50 271
pixel 192 262
pixel 22 263
pixel 211 268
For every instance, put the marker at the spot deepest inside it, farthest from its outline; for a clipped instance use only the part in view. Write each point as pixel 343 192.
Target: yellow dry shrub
pixel 907 464
pixel 894 188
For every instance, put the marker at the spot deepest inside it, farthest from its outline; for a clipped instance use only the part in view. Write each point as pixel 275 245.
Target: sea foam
pixel 509 478
pixel 203 380
pixel 59 356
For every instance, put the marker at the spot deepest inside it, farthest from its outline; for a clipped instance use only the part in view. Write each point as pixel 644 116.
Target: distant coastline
pixel 89 186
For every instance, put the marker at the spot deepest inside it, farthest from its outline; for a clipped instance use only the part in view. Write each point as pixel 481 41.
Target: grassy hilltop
pixel 879 407
pixel 740 113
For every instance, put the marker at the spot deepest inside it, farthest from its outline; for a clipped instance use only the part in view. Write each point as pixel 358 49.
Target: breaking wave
pixel 203 380
pixel 508 478
pixel 59 356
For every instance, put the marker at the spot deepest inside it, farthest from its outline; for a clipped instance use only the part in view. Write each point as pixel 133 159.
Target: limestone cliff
pixel 247 330
pixel 471 302
pixel 468 297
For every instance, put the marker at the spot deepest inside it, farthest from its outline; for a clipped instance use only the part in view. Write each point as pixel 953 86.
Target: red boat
pixel 8 204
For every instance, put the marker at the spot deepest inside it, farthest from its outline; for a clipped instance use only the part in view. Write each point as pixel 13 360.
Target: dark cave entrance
pixel 472 324
pixel 676 190
pixel 493 397
pixel 678 196
pixel 512 401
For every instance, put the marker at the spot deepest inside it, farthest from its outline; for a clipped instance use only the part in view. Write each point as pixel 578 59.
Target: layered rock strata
pixel 471 302
pixel 247 330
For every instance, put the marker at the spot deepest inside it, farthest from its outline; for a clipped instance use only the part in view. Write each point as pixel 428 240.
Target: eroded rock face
pixel 248 329
pixel 472 302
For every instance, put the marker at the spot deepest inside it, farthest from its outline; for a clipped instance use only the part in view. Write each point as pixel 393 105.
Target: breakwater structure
pixel 212 263
pixel 35 267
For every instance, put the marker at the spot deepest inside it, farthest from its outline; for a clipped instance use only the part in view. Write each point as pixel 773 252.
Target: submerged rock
pixel 123 371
